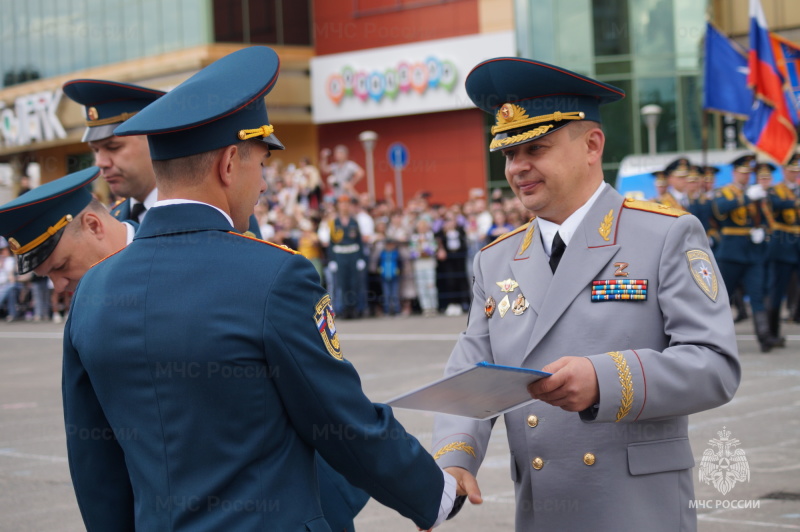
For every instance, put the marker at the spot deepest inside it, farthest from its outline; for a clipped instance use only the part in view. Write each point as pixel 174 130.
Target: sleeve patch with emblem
pixel 323 317
pixel 703 273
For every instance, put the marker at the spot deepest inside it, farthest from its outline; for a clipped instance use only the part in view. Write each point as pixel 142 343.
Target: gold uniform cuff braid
pixel 455 446
pixel 263 131
pixel 626 382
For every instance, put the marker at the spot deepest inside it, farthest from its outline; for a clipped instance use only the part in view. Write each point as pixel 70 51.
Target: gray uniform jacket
pixel 625 465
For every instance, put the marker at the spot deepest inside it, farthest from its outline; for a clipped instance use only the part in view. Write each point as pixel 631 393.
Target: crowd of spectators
pixel 416 258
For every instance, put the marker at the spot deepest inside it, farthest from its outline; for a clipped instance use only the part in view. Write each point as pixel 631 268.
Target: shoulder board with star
pixel 118 203
pixel 248 235
pixel 649 206
pixel 500 238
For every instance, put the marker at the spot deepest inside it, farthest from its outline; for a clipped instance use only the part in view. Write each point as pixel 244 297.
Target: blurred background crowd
pixel 375 258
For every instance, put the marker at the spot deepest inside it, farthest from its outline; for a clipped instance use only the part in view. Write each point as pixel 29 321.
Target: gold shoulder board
pixel 248 236
pixel 649 206
pixel 500 238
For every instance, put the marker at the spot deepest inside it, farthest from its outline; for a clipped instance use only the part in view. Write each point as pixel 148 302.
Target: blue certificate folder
pixel 482 391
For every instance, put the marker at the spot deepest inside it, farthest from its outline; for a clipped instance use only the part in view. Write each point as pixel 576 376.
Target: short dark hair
pixel 191 168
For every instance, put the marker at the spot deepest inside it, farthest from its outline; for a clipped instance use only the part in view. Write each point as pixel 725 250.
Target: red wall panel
pixel 337 28
pixel 447 152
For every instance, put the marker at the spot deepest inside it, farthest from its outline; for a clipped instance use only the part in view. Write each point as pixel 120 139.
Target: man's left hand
pixel 572 387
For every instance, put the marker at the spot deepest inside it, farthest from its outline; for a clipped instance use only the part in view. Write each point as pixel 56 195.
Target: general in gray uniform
pixel 620 299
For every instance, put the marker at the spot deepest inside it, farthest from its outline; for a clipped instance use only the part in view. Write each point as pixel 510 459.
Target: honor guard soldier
pixel 709 180
pixel 59 230
pixel 698 203
pixel 660 183
pixel 628 288
pixel 213 397
pixel 739 209
pixel 783 248
pixel 677 171
pixel 791 176
pixel 125 162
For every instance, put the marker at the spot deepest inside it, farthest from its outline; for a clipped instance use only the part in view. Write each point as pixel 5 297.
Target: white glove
pixel 332 266
pixel 360 264
pixel 756 192
pixel 757 235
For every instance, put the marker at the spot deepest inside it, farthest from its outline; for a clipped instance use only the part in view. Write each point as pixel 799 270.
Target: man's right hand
pixel 466 484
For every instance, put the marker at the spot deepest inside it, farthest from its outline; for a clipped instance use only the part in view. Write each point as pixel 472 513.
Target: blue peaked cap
pixel 108 103
pixel 530 99
pixel 34 222
pixel 221 105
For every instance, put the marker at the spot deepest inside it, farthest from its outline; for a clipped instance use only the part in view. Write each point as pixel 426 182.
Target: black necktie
pixel 557 250
pixel 136 210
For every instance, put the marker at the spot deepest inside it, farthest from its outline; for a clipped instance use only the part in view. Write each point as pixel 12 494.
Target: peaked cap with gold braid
pixel 34 222
pixel 223 104
pixel 531 99
pixel 107 104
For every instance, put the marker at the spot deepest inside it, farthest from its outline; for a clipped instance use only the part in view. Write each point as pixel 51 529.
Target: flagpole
pixel 704 133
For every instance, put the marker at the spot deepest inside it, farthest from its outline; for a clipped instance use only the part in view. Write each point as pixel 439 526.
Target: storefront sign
pixel 415 78
pixel 31 119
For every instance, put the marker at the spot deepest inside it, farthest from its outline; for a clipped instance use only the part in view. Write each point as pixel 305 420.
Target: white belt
pixel 344 250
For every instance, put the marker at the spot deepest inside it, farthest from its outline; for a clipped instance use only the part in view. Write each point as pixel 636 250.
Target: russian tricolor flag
pixel 770 128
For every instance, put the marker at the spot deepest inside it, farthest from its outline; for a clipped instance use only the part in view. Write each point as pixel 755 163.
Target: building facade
pixel 154 43
pixel 653 50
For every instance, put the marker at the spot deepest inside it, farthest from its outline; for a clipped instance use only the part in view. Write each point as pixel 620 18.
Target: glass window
pixel 617 119
pixel 194 17
pixel 611 27
pixel 79 40
pixel 263 22
pixel 171 28
pixel 228 21
pixel 692 116
pixel 296 22
pixel 152 27
pixel 574 35
pixel 659 91
pixel 690 29
pixel 131 12
pixel 653 30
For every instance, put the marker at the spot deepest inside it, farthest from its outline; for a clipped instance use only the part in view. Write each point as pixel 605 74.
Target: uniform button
pixel 588 459
pixel 533 421
pixel 537 463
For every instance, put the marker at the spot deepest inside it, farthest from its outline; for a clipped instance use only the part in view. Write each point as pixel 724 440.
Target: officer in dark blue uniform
pixel 739 209
pixel 698 203
pixel 193 402
pixel 783 249
pixel 125 162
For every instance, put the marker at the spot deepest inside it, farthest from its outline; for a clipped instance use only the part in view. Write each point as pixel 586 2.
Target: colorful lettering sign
pixel 405 77
pixel 32 119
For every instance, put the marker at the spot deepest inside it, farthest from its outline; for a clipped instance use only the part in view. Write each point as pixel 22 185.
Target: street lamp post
pixel 650 114
pixel 368 139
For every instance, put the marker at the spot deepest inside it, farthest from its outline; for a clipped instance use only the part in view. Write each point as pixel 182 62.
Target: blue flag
pixel 725 76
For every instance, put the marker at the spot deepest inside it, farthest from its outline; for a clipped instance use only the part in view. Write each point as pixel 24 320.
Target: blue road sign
pixel 397 155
